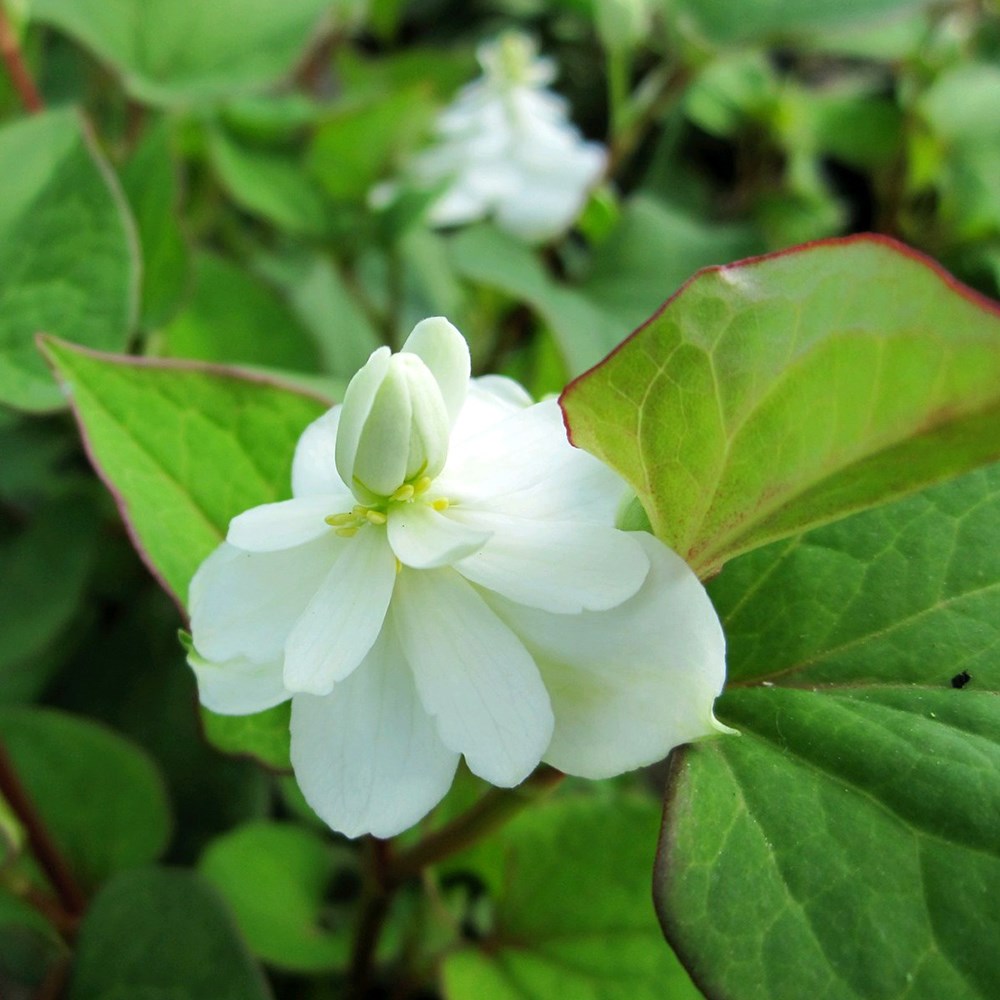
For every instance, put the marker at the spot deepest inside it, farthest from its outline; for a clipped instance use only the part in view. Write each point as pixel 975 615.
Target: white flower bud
pixel 394 426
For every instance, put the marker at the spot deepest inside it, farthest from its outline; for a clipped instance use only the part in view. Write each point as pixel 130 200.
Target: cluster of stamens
pixel 349 523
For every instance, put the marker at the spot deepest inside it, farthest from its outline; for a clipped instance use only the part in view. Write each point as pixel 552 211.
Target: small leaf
pixel 29 946
pixel 573 917
pixel 187 51
pixel 788 391
pixel 184 449
pixel 100 797
pixel 69 264
pixel 845 844
pixel 276 878
pixel 263 735
pixel 162 934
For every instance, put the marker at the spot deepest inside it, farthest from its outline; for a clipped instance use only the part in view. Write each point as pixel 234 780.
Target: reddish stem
pixel 17 70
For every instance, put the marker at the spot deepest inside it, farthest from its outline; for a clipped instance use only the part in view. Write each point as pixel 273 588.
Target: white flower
pixel 506 148
pixel 477 601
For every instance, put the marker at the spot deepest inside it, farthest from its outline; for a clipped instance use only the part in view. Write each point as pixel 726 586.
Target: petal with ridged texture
pixel 367 756
pixel 340 624
pixel 629 684
pixel 425 538
pixel 473 675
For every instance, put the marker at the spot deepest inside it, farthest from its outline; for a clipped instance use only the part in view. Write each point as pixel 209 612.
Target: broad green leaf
pixel 43 573
pixel 650 254
pixel 269 184
pixel 183 449
pixel 729 21
pixel 100 796
pixel 69 263
pixel 574 917
pixel 163 934
pixel 234 317
pixel 845 844
pixel 263 735
pixel 187 51
pixel 152 186
pixel 489 257
pixel 29 946
pixel 276 878
pixel 785 392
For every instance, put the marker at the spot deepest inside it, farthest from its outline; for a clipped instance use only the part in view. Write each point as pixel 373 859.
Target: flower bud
pixel 394 426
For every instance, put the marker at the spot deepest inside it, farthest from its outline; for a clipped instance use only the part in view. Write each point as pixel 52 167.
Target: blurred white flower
pixel 506 148
pixel 448 580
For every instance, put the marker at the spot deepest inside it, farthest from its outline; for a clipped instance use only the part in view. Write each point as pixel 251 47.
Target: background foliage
pixel 189 180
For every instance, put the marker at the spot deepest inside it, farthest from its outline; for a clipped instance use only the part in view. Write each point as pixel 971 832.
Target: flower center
pixel 349 523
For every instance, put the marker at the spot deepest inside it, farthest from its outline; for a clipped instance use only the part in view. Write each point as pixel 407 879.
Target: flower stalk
pixel 17 69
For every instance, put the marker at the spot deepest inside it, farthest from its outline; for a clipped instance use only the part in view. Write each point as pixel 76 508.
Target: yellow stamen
pixel 399 567
pixel 375 517
pixel 441 503
pixel 337 520
pixel 422 485
pixel 405 492
pixel 347 532
pixel 358 510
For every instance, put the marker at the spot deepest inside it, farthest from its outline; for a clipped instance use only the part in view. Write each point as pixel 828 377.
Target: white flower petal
pixel 358 399
pixel 506 390
pixel 473 675
pixel 444 350
pixel 285 524
pixel 425 538
pixel 239 686
pixel 344 617
pixel 557 566
pixel 629 684
pixel 246 603
pixel 314 467
pixel 521 462
pixel 367 756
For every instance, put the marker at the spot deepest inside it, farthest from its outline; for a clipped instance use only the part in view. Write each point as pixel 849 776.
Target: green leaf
pixel 276 878
pixel 43 573
pixel 729 21
pixel 100 797
pixel 263 735
pixel 574 917
pixel 233 316
pixel 845 843
pixel 651 253
pixel 69 264
pixel 29 946
pixel 152 186
pixel 487 256
pixel 183 449
pixel 162 934
pixel 269 184
pixel 187 51
pixel 788 391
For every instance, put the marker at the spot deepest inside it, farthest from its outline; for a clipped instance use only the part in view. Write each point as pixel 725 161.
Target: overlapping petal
pixel 340 623
pixel 283 525
pixel 314 467
pixel 558 566
pixel 424 538
pixel 473 675
pixel 629 684
pixel 236 608
pixel 367 756
pixel 240 686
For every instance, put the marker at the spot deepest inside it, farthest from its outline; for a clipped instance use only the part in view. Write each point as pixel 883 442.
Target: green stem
pixel 619 69
pixel 493 810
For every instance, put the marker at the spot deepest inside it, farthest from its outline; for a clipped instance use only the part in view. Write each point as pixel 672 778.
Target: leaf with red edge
pixel 784 392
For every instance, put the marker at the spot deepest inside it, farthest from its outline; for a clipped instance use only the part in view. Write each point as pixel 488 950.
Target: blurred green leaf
pixel 729 21
pixel 574 917
pixel 652 252
pixel 69 264
pixel 162 933
pixel 269 184
pixel 263 735
pixel 183 449
pixel 43 574
pixel 489 257
pixel 100 796
pixel 187 51
pixel 276 878
pixel 29 946
pixel 786 392
pixel 233 316
pixel 845 844
pixel 152 186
